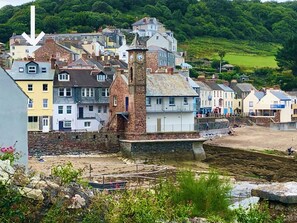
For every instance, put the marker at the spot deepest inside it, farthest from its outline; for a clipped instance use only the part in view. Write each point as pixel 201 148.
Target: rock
pixel 35 194
pixel 42 184
pixel 198 220
pixel 77 201
pixel 281 192
pixel 6 171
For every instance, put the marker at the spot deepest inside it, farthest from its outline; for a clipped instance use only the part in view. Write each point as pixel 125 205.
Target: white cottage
pixel 13 116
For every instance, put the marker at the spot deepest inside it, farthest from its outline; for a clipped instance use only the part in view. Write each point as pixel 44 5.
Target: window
pixel 239 103
pixel 44 87
pixel 87 124
pixel 30 103
pixel 27 51
pixel 65 92
pixel 32 119
pixel 159 101
pixel 63 77
pixel 30 87
pixel 104 109
pixel 171 101
pixel 45 103
pixel 148 101
pixel 67 124
pixel 87 92
pixel 251 104
pixel 185 100
pixel 32 69
pixel 124 54
pixel 101 77
pixel 43 70
pixel 105 92
pixel 157 37
pixel 60 109
pixel 91 108
pixel 68 109
pixel 21 69
pixel 99 109
pixel 115 101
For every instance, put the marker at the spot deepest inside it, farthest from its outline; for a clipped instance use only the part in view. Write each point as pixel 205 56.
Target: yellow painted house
pixel 36 80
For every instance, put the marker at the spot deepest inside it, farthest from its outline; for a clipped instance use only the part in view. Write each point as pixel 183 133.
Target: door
pixel 158 125
pixel 61 126
pixel 80 112
pixel 126 103
pixel 45 124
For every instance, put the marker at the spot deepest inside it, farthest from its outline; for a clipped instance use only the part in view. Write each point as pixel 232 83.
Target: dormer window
pixel 63 77
pixel 101 77
pixel 32 69
pixel 21 69
pixel 43 70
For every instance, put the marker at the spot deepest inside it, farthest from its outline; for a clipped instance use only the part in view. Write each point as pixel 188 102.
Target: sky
pixel 19 2
pixel 13 2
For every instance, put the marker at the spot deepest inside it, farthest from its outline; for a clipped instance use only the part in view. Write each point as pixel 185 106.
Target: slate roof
pixel 259 94
pixel 168 85
pixel 245 87
pixel 225 88
pixel 78 78
pixel 137 44
pixel 213 85
pixel 281 95
pixel 16 75
pixel 144 21
pixel 203 86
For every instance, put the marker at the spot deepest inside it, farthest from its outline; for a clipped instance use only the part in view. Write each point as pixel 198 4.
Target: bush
pixel 256 214
pixel 209 195
pixel 67 174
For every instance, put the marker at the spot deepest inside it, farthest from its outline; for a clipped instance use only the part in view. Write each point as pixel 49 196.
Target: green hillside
pixel 243 53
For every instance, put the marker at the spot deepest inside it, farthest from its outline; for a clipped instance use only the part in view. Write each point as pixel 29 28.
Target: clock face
pixel 140 57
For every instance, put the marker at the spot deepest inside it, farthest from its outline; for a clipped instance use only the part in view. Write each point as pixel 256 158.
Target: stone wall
pixel 180 150
pixel 152 61
pixel 61 143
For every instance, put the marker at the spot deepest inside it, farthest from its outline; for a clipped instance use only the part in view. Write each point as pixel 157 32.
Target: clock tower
pixel 137 87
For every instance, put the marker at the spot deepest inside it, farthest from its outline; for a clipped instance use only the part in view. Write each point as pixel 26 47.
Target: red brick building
pixel 128 94
pixel 52 49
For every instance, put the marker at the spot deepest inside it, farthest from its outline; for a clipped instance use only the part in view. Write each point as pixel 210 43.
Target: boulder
pixel 281 192
pixel 6 171
pixel 35 194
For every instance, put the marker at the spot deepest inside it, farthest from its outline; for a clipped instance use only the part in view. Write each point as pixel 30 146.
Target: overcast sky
pixel 19 2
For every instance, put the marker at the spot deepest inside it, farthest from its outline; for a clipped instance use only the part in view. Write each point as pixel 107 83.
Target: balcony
pixel 175 108
pixel 87 115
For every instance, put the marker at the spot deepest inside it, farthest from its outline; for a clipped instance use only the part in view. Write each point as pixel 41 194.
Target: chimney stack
pixel 53 62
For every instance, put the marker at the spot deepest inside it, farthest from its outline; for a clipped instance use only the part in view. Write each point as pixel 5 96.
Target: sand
pixel 257 138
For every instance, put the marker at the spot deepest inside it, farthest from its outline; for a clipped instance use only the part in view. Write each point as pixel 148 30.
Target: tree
pixel 286 57
pixel 221 55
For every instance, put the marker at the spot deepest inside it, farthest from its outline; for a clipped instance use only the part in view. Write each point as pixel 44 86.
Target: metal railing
pixel 170 128
pixel 162 108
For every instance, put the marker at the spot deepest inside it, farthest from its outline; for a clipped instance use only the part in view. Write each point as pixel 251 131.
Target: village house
pixel 217 97
pixel 13 113
pixel 241 91
pixel 228 97
pixel 142 102
pixel 80 100
pixel 36 80
pixel 51 49
pixel 157 57
pixel 205 98
pixel 274 104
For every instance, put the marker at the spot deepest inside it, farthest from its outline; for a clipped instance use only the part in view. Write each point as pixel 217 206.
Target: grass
pixel 248 54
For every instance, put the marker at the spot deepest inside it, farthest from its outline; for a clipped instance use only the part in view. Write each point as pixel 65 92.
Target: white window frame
pixel 32 69
pixel 43 85
pixel 43 70
pixel 45 103
pixel 105 92
pixel 101 77
pixel 63 77
pixel 30 87
pixel 60 109
pixel 30 103
pixel 251 104
pixel 171 101
pixel 87 124
pixel 148 101
pixel 159 101
pixel 87 92
pixel 68 109
pixel 63 92
pixel 185 101
pixel 115 101
pixel 67 124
